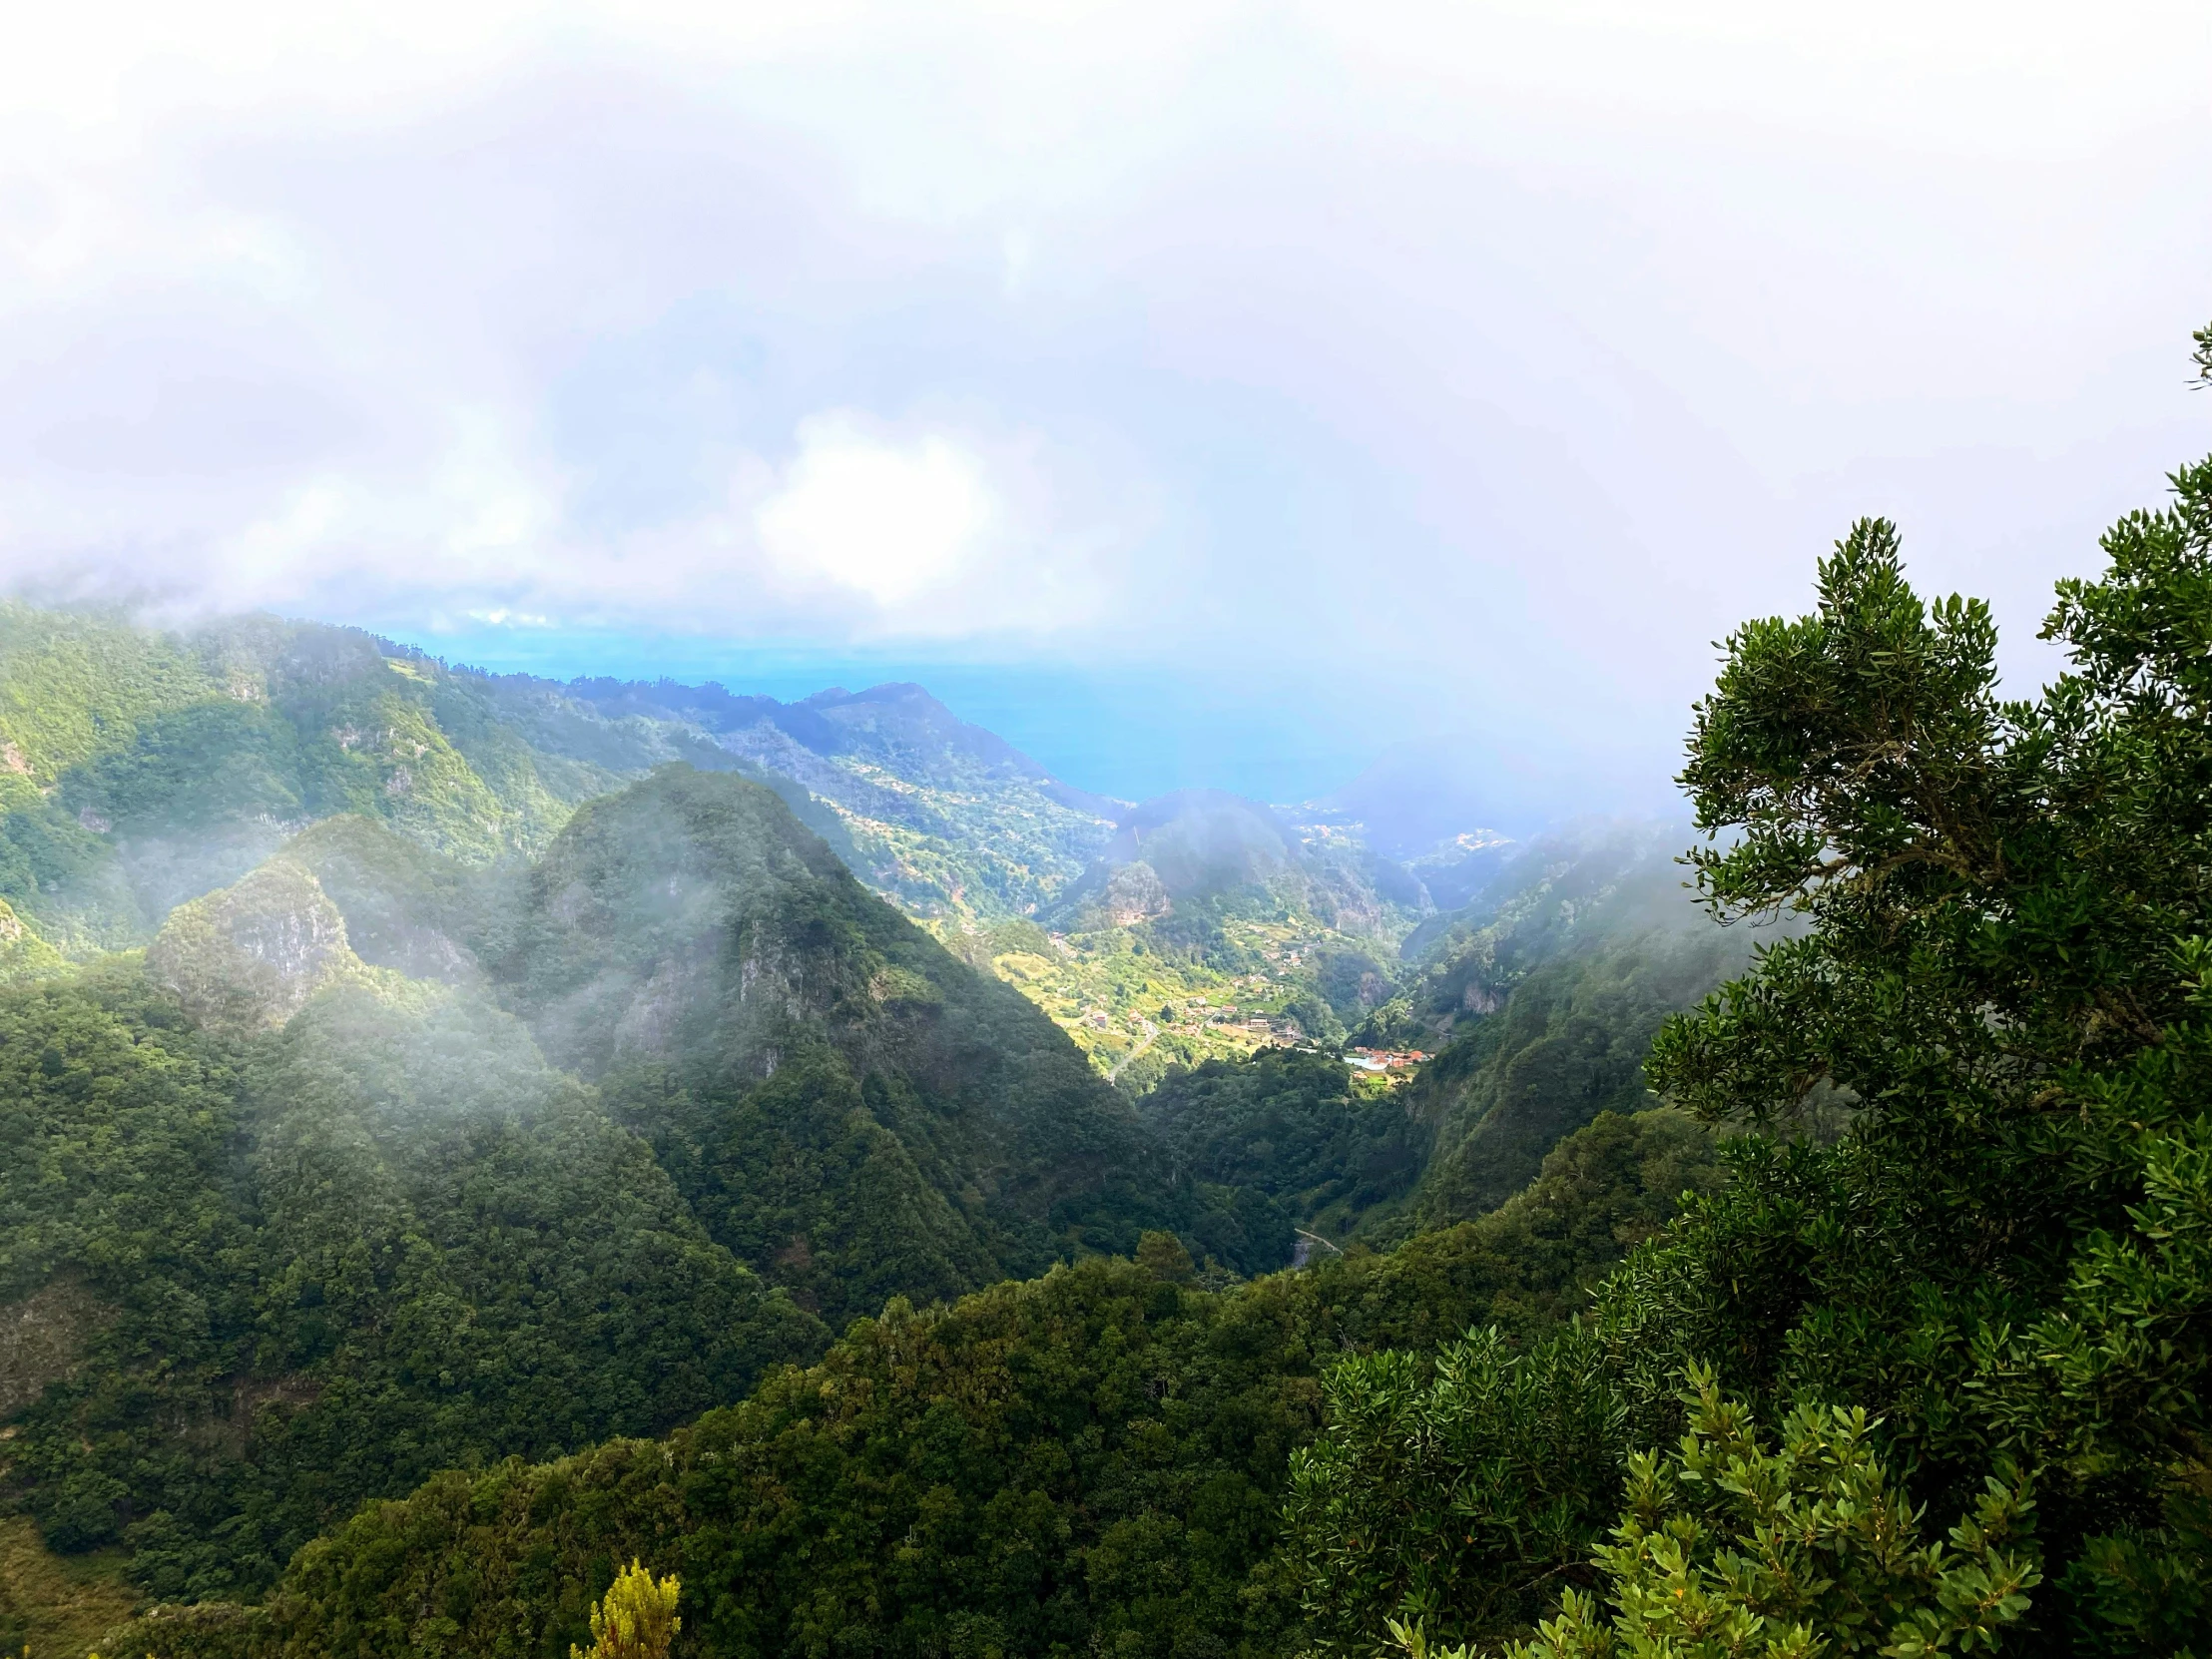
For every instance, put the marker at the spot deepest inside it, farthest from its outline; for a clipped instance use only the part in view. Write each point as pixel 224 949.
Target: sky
pixel 1196 394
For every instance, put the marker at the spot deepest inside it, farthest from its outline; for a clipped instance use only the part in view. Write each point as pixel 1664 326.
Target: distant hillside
pixel 1200 854
pixel 140 769
pixel 1209 925
pixel 946 819
pixel 1540 999
pixel 1192 845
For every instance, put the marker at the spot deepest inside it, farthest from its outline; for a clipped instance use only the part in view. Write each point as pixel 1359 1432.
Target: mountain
pixel 946 819
pixel 1537 1005
pixel 255 1273
pixel 1200 843
pixel 140 769
pixel 561 1148
pixel 405 1068
pixel 1540 999
pixel 425 1221
pixel 854 1111
pixel 1183 853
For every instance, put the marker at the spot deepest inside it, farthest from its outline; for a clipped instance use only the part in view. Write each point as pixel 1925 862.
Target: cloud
pixel 885 520
pixel 865 531
pixel 1460 364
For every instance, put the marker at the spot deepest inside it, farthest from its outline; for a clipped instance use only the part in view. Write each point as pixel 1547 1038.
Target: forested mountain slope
pixel 850 1108
pixel 140 769
pixel 1092 1460
pixel 1299 1143
pixel 272 1275
pixel 291 1223
pixel 489 1085
pixel 1540 999
pixel 1538 1003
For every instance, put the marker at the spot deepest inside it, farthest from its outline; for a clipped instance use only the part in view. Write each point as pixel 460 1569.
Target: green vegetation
pixel 1567 1042
pixel 143 769
pixel 325 1263
pixel 140 769
pixel 23 955
pixel 1206 928
pixel 1135 1011
pixel 297 1212
pixel 1286 1141
pixel 1096 1457
pixel 849 1108
pixel 949 823
pixel 1984 1300
pixel 637 1618
pixel 249 956
pixel 386 1301
pixel 333 1227
pixel 1809 1548
pixel 55 1604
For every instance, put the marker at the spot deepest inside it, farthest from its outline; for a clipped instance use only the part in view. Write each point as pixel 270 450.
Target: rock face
pixel 1135 893
pixel 249 956
pixel 43 1339
pixel 405 906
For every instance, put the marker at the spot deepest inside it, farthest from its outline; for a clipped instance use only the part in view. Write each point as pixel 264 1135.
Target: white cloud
pixel 889 521
pixel 1516 346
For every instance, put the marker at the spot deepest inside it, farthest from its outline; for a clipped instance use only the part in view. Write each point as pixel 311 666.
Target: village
pixel 1384 1059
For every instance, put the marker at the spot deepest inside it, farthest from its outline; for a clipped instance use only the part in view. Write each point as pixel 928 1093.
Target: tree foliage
pixel 2005 970
pixel 1091 1460
pixel 636 1619
pixel 1277 1142
pixel 321 1264
pixel 1473 1478
pixel 1997 1279
pixel 1728 1547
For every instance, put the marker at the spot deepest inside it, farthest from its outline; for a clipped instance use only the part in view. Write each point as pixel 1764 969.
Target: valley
pixel 1123 1004
pixel 389 975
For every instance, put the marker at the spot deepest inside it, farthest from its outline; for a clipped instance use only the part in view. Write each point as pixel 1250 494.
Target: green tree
pixel 636 1619
pixel 1806 1549
pixel 1994 970
pixel 1461 1486
pixel 2002 968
